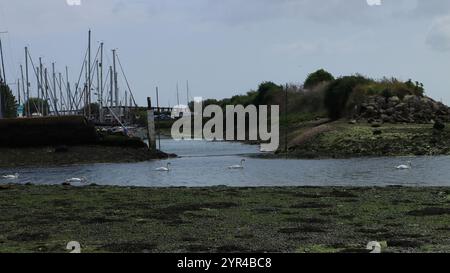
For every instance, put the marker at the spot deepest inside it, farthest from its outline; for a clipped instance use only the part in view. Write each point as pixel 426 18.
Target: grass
pixel 342 140
pixel 222 219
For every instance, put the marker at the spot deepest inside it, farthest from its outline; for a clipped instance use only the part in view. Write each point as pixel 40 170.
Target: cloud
pixel 439 36
pixel 431 8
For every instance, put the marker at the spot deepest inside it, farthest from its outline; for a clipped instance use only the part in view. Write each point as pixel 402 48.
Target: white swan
pixel 76 180
pixel 405 167
pixel 374 246
pixel 11 176
pixel 241 166
pixel 164 169
pixel 74 246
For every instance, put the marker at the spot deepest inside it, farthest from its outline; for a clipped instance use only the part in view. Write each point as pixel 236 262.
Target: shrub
pixel 316 78
pixel 308 101
pixel 8 101
pixel 267 91
pixel 338 93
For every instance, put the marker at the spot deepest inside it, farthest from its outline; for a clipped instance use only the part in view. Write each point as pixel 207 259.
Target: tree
pixel 37 106
pixel 317 77
pixel 338 93
pixel 8 102
pixel 264 91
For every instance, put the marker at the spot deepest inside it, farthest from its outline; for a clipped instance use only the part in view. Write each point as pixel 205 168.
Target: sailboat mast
pixel 69 93
pixel 23 84
pixel 55 100
pixel 178 96
pixel 28 82
pixel 3 63
pixel 40 88
pixel 111 86
pixel 116 88
pixel 101 82
pixel 46 92
pixel 187 94
pixel 18 91
pixel 61 104
pixel 89 75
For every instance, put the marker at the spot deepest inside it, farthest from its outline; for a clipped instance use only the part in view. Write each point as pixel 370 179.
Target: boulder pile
pixel 410 109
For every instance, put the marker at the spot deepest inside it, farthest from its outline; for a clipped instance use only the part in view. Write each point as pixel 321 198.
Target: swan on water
pixel 164 169
pixel 76 180
pixel 374 246
pixel 74 246
pixel 405 167
pixel 241 166
pixel 11 176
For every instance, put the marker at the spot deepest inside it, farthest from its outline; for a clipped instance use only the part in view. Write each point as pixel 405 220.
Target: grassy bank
pixel 341 140
pixel 221 219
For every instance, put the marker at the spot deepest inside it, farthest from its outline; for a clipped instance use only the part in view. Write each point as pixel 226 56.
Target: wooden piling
pixel 151 126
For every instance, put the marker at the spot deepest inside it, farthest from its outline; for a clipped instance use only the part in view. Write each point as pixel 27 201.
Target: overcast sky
pixel 227 47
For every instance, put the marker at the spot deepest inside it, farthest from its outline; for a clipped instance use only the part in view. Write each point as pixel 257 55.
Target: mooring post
pixel 151 126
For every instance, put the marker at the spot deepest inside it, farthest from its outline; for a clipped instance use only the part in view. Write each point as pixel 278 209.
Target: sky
pixel 228 47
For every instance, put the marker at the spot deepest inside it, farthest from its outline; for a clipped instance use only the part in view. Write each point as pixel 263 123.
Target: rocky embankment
pixel 410 109
pixel 379 126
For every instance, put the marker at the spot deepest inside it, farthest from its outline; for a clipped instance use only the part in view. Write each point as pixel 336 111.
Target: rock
pixel 6 187
pixel 386 118
pixel 400 106
pixel 61 149
pixel 438 125
pixel 370 109
pixel 394 100
pixel 377 132
pixel 390 111
pixel 376 125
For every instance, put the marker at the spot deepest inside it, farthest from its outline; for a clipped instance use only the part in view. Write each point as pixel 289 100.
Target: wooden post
pixel 157 121
pixel 286 129
pixel 151 126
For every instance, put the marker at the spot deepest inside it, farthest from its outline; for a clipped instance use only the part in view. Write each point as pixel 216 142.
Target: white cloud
pixel 439 36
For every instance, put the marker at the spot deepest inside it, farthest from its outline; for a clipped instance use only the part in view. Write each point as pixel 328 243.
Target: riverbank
pixel 69 155
pixel 222 219
pixel 341 139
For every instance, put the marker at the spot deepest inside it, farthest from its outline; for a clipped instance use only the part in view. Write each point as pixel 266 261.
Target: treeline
pixel 8 104
pixel 322 95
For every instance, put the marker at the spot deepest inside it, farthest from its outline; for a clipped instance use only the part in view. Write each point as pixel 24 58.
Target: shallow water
pixel 205 164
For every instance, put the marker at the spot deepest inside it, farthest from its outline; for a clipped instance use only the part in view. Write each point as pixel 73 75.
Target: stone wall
pixel 410 109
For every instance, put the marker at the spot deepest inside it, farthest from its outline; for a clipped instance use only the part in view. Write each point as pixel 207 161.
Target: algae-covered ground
pixel 222 219
pixel 341 140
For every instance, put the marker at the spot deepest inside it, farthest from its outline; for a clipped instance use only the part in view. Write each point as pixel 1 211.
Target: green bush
pixel 267 92
pixel 338 93
pixel 8 101
pixel 393 87
pixel 318 77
